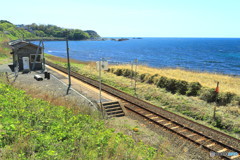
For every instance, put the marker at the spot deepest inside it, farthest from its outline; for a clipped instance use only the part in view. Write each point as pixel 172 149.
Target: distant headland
pixel 47 32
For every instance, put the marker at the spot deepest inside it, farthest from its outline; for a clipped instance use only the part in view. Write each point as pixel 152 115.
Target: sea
pixel 217 55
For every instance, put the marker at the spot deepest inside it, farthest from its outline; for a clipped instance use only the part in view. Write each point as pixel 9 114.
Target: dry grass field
pixel 227 83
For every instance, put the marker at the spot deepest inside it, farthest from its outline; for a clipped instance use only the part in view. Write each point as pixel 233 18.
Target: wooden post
pixel 69 69
pixel 131 73
pixel 215 107
pixel 135 84
pixel 100 81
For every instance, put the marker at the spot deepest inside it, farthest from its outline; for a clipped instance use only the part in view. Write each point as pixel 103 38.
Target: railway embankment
pixel 189 106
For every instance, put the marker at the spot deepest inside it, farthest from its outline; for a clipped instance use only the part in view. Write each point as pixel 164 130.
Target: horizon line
pixel 159 37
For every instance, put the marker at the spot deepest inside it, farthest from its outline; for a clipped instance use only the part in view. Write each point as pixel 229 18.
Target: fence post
pixel 216 101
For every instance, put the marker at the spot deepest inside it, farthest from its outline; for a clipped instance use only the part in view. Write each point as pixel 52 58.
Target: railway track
pixel 217 143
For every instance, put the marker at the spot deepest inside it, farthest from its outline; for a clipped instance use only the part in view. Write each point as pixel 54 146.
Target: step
pixel 112 106
pixel 116 115
pixel 113 109
pixel 109 103
pixel 114 112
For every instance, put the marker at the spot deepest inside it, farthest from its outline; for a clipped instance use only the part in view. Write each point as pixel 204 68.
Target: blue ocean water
pixel 221 55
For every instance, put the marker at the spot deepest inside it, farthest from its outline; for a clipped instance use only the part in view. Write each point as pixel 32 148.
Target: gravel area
pixel 53 90
pixel 5 68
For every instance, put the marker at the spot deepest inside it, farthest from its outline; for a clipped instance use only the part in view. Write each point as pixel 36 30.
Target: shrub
pixel 225 98
pixel 182 87
pixel 208 95
pixel 217 122
pixel 162 83
pixel 193 88
pixel 142 77
pixel 156 79
pixel 112 70
pixel 236 100
pixel 118 72
pixel 172 86
pixel 127 73
pixel 151 79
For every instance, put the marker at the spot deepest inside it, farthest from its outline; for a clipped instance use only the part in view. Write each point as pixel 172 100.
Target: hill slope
pixel 34 129
pixel 34 31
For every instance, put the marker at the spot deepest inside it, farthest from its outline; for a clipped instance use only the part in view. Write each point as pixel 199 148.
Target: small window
pixel 32 57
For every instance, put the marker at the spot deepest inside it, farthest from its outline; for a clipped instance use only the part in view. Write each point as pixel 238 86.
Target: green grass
pixel 228 119
pixel 34 129
pixel 4 49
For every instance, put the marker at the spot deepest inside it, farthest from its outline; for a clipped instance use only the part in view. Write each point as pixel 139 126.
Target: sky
pixel 131 18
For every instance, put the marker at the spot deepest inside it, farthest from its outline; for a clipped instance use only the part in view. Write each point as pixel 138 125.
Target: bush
pixel 151 79
pixel 208 95
pixel 118 72
pixel 193 88
pixel 182 87
pixel 127 73
pixel 162 83
pixel 172 86
pixel 236 100
pixel 225 98
pixel 142 77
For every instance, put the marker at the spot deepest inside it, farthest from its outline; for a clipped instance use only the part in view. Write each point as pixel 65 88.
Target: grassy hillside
pixel 12 32
pixel 58 32
pixel 34 129
pixel 4 49
pixel 34 31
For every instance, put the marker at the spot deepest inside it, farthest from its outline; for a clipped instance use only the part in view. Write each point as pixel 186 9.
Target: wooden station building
pixel 25 54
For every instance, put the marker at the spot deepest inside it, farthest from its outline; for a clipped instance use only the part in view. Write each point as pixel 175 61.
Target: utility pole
pixel 44 62
pixel 36 55
pixel 135 84
pixel 69 69
pixel 215 107
pixel 100 81
pixel 100 65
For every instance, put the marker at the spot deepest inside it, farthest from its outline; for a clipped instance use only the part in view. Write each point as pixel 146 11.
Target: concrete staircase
pixel 113 109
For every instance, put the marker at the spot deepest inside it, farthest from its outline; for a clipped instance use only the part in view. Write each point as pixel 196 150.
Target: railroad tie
pixel 160 120
pixel 184 130
pixel 237 156
pixel 154 118
pixel 190 135
pixel 210 145
pixel 138 109
pixel 200 139
pixel 166 124
pixel 222 150
pixel 141 112
pixel 147 115
pixel 175 127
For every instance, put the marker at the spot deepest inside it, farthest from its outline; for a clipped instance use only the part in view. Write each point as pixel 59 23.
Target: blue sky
pixel 131 18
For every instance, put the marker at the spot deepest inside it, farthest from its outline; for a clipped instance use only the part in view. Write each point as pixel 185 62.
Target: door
pixel 25 63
